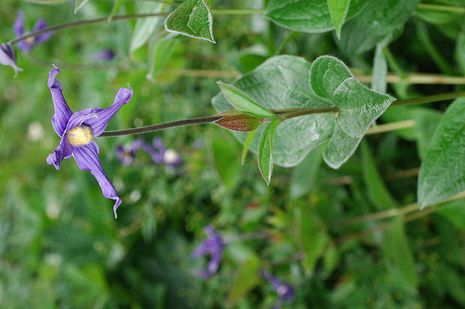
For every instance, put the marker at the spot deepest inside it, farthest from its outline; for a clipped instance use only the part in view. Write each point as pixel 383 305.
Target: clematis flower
pixel 213 246
pixel 284 291
pixel 77 131
pixel 127 153
pixel 29 43
pixel 8 57
pixel 161 155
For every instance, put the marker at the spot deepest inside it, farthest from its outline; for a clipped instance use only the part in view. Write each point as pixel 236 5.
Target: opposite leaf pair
pixel 282 83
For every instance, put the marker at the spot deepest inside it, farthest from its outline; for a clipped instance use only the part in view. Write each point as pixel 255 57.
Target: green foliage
pixel 243 102
pixel 145 28
pixel 377 20
pixel 192 18
pixel 265 146
pixel 338 11
pixel 308 15
pixel 444 157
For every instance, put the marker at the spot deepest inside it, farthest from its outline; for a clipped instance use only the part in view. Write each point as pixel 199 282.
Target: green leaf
pixel 192 18
pixel 310 16
pixel 377 20
pixel 242 102
pixel 282 82
pixel 311 235
pixel 265 147
pixel 246 279
pixel 377 191
pixel 442 172
pixel 160 53
pixel 247 142
pixel 225 155
pixel 79 4
pixel 358 106
pixel 116 6
pixel 397 251
pixel 304 175
pixel 145 27
pixel 338 10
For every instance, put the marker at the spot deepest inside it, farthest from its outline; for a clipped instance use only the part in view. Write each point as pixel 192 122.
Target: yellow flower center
pixel 30 40
pixel 80 136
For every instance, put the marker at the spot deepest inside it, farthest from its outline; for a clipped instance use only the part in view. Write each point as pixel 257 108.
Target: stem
pixel 289 113
pixel 79 23
pixel 162 126
pixel 441 8
pixel 431 98
pixel 84 22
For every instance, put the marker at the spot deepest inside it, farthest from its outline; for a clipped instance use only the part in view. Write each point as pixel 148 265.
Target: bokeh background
pixel 60 246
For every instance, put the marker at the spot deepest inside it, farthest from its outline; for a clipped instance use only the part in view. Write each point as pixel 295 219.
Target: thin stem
pixel 79 23
pixel 441 8
pixel 431 98
pixel 84 22
pixel 238 12
pixel 162 126
pixel 389 127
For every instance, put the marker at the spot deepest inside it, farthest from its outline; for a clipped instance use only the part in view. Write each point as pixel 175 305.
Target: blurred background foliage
pixel 61 247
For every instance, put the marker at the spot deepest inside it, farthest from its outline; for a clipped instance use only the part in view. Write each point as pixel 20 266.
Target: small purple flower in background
pixel 8 57
pixel 161 155
pixel 213 246
pixel 77 131
pixel 126 154
pixel 29 43
pixel 106 54
pixel 284 291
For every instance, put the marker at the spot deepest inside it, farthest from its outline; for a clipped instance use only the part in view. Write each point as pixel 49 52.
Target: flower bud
pixel 239 122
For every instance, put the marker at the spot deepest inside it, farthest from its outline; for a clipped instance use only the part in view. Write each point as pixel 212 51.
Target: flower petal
pixel 8 57
pixel 62 111
pixel 99 123
pixel 19 24
pixel 41 24
pixel 87 159
pixel 62 152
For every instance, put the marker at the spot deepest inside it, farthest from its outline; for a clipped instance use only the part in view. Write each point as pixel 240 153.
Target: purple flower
pixel 106 54
pixel 8 57
pixel 213 246
pixel 77 131
pixel 284 291
pixel 29 43
pixel 127 153
pixel 161 155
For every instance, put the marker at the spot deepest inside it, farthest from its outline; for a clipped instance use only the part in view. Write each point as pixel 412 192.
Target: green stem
pixel 162 126
pixel 441 8
pixel 79 23
pixel 283 114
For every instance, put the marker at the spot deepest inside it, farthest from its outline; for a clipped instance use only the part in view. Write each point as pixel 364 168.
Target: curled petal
pixel 41 24
pixel 62 152
pixel 103 115
pixel 62 111
pixel 8 57
pixel 87 159
pixel 81 117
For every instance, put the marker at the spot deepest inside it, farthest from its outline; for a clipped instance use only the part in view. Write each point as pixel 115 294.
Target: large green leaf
pixel 442 172
pixel 192 18
pixel 306 15
pixel 145 27
pixel 282 82
pixel 338 10
pixel 304 175
pixel 247 277
pixel 377 20
pixel 358 106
